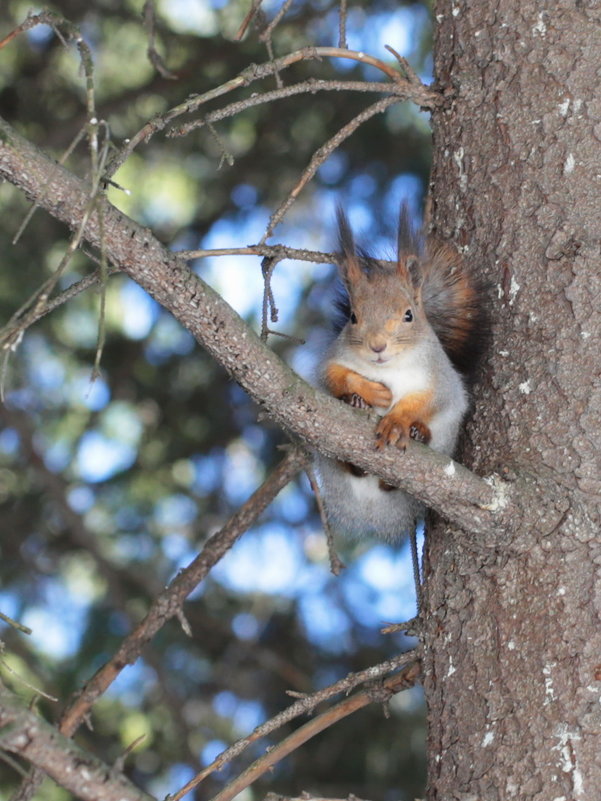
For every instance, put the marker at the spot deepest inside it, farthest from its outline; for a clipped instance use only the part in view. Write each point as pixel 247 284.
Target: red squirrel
pixel 411 331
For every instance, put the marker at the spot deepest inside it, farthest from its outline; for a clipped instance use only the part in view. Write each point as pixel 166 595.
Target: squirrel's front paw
pixel 375 394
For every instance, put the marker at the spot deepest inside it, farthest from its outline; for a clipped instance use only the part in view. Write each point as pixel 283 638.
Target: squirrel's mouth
pixel 381 360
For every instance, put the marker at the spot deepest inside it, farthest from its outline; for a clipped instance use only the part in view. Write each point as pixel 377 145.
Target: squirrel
pixel 411 333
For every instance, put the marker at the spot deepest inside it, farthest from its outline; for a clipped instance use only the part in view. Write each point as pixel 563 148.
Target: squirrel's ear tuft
pixel 349 266
pixel 408 249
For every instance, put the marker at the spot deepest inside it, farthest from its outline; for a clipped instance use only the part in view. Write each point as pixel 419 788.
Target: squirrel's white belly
pixel 358 505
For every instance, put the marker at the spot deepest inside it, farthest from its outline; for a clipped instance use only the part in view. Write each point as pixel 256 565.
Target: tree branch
pixel 169 603
pixel 392 685
pixel 24 732
pixel 490 507
pixel 413 90
pixel 409 661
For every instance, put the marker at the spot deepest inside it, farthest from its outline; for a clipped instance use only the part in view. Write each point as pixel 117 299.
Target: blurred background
pixel 107 488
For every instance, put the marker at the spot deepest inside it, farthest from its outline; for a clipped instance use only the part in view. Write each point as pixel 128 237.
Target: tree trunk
pixel 513 642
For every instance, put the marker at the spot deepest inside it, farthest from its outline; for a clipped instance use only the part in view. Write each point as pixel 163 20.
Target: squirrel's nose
pixel 378 347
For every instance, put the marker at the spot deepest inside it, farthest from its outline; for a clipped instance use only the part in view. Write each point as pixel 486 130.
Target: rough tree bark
pixel 513 658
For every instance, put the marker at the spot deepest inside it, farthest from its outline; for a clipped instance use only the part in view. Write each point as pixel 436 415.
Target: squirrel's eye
pixel 353 318
pixel 408 316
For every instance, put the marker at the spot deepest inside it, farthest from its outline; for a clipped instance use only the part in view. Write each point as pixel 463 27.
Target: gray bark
pixel 513 644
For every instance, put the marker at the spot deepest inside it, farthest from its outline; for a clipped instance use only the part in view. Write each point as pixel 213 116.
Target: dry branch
pixel 306 704
pixel 412 90
pixel 170 601
pixel 311 86
pixel 394 684
pixel 25 733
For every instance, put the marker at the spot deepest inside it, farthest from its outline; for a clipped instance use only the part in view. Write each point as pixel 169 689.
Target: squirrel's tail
pixel 455 305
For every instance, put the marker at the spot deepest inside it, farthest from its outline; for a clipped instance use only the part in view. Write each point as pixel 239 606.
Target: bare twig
pixel 428 99
pixel 149 17
pixel 12 763
pixel 265 35
pixel 22 680
pixel 269 309
pixel 336 564
pixel 15 624
pixel 403 91
pixel 71 292
pixel 394 684
pixel 321 155
pixel 306 796
pixel 411 74
pixel 278 252
pixel 305 704
pixel 256 4
pixel 119 763
pixel 342 25
pixel 225 153
pixel 24 732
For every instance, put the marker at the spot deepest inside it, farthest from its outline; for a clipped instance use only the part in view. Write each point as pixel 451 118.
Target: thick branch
pixel 476 505
pixel 24 732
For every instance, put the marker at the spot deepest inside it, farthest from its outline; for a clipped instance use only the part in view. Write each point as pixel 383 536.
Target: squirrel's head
pixel 385 310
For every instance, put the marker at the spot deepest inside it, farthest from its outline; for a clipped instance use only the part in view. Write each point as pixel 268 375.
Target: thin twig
pixel 253 73
pixel 304 705
pixel 411 74
pixel 336 564
pixel 266 37
pixel 22 680
pixel 266 34
pixel 404 91
pixel 16 625
pixel 269 309
pixel 225 153
pixel 247 20
pixel 342 25
pixel 417 577
pixel 322 154
pixel 149 17
pixel 270 52
pixel 279 252
pixel 390 686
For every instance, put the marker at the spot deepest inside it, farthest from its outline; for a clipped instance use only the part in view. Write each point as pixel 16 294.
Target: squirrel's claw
pixel 393 431
pixel 356 401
